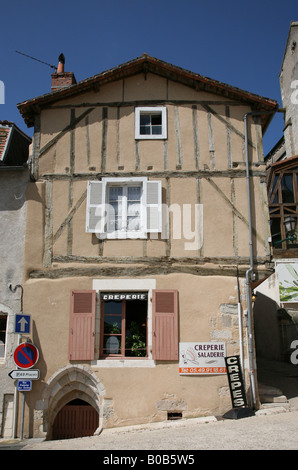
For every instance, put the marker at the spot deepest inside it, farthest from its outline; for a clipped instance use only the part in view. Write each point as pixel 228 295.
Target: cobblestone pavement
pixel 275 429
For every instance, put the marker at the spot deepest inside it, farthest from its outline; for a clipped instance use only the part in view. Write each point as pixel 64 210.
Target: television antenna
pixel 30 57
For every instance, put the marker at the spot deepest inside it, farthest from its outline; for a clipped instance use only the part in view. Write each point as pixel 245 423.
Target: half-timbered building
pixel 144 230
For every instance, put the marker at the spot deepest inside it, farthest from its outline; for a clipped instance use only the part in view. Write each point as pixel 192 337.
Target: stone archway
pixel 71 382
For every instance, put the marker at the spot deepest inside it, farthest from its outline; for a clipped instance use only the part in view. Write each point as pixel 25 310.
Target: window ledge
pixel 116 363
pixel 123 235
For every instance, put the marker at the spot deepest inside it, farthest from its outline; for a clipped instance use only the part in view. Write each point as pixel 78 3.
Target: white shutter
pixel 154 207
pixel 95 219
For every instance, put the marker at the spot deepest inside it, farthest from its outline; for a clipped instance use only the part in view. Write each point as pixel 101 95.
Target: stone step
pixel 273 399
pixel 267 406
pixel 271 395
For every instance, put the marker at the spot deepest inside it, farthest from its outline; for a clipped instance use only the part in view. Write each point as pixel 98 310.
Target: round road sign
pixel 25 355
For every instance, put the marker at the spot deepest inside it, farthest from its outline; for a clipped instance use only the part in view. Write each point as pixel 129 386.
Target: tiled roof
pixel 14 145
pixel 5 130
pixel 147 64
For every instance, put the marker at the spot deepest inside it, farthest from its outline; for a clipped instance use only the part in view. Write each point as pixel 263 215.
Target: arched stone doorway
pixel 76 419
pixel 68 384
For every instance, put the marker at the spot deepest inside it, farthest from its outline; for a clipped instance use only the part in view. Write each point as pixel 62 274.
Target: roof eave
pixel 146 64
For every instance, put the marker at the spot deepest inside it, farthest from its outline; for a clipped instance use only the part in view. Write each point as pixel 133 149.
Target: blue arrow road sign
pixel 22 324
pixel 24 385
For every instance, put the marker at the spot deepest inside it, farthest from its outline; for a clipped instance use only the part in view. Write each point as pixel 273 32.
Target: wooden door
pixel 75 421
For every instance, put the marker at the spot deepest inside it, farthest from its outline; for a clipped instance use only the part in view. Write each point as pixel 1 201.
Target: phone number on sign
pixel 202 370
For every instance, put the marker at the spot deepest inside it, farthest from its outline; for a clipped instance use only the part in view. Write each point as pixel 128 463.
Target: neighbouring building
pixel 277 297
pixel 141 245
pixel 14 177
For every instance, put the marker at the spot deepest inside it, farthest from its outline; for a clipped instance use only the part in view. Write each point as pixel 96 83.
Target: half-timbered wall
pixel 202 161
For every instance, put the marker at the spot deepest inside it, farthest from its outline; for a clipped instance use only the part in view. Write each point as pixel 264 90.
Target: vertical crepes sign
pixel 236 382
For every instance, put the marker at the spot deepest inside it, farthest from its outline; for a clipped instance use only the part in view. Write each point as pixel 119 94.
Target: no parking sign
pixel 25 355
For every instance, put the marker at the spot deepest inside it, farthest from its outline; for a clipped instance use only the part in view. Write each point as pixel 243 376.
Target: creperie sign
pixel 118 296
pixel 236 384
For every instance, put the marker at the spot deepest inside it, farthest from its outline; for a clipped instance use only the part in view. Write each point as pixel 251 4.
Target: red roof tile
pixel 147 64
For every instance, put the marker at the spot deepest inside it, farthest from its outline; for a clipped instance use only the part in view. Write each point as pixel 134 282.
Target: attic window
pixel 151 123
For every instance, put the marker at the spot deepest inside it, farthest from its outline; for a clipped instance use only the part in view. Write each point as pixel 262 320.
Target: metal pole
pixel 22 419
pixel 16 394
pixel 16 403
pixel 240 326
pixel 249 273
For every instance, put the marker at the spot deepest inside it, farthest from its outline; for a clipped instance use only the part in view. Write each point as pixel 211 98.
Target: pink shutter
pixel 82 325
pixel 165 325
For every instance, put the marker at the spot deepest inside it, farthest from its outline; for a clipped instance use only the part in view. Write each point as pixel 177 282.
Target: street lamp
pixel 290 224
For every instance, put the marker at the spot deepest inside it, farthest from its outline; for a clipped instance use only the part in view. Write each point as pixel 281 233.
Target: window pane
pixel 136 329
pixel 156 130
pixel 115 208
pixel 116 193
pixel 287 188
pixel 112 345
pixel 134 209
pixel 113 308
pixel 145 130
pixel 151 124
pixel 145 119
pixel 133 223
pixel 276 232
pixel 112 324
pixel 156 119
pixel 134 193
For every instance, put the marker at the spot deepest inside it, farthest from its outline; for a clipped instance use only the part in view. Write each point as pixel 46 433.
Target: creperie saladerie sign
pixel 202 358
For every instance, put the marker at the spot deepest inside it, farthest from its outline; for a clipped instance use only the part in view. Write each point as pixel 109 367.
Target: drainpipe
pixel 249 272
pixel 16 395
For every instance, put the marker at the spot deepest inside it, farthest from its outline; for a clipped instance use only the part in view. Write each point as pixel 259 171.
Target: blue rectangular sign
pixel 24 385
pixel 22 324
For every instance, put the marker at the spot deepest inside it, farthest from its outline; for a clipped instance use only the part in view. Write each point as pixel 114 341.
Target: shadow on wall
pixel 275 330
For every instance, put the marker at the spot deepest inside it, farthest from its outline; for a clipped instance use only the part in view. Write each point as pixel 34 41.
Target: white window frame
pixel 151 209
pixel 141 233
pixel 151 110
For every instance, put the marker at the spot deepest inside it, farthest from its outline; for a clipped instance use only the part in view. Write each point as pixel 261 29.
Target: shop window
pixel 124 325
pixel 151 123
pixel 283 204
pixel 3 325
pixel 124 208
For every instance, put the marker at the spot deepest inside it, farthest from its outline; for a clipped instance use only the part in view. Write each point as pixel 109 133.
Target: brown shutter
pixel 165 325
pixel 82 325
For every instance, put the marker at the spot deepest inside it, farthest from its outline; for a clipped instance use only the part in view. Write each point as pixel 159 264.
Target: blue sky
pixel 236 42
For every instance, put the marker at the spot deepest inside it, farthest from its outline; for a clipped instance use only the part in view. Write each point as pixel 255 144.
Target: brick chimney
pixel 62 79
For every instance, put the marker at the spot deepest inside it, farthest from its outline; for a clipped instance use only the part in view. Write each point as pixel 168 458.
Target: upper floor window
pixel 151 123
pixel 124 207
pixel 283 205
